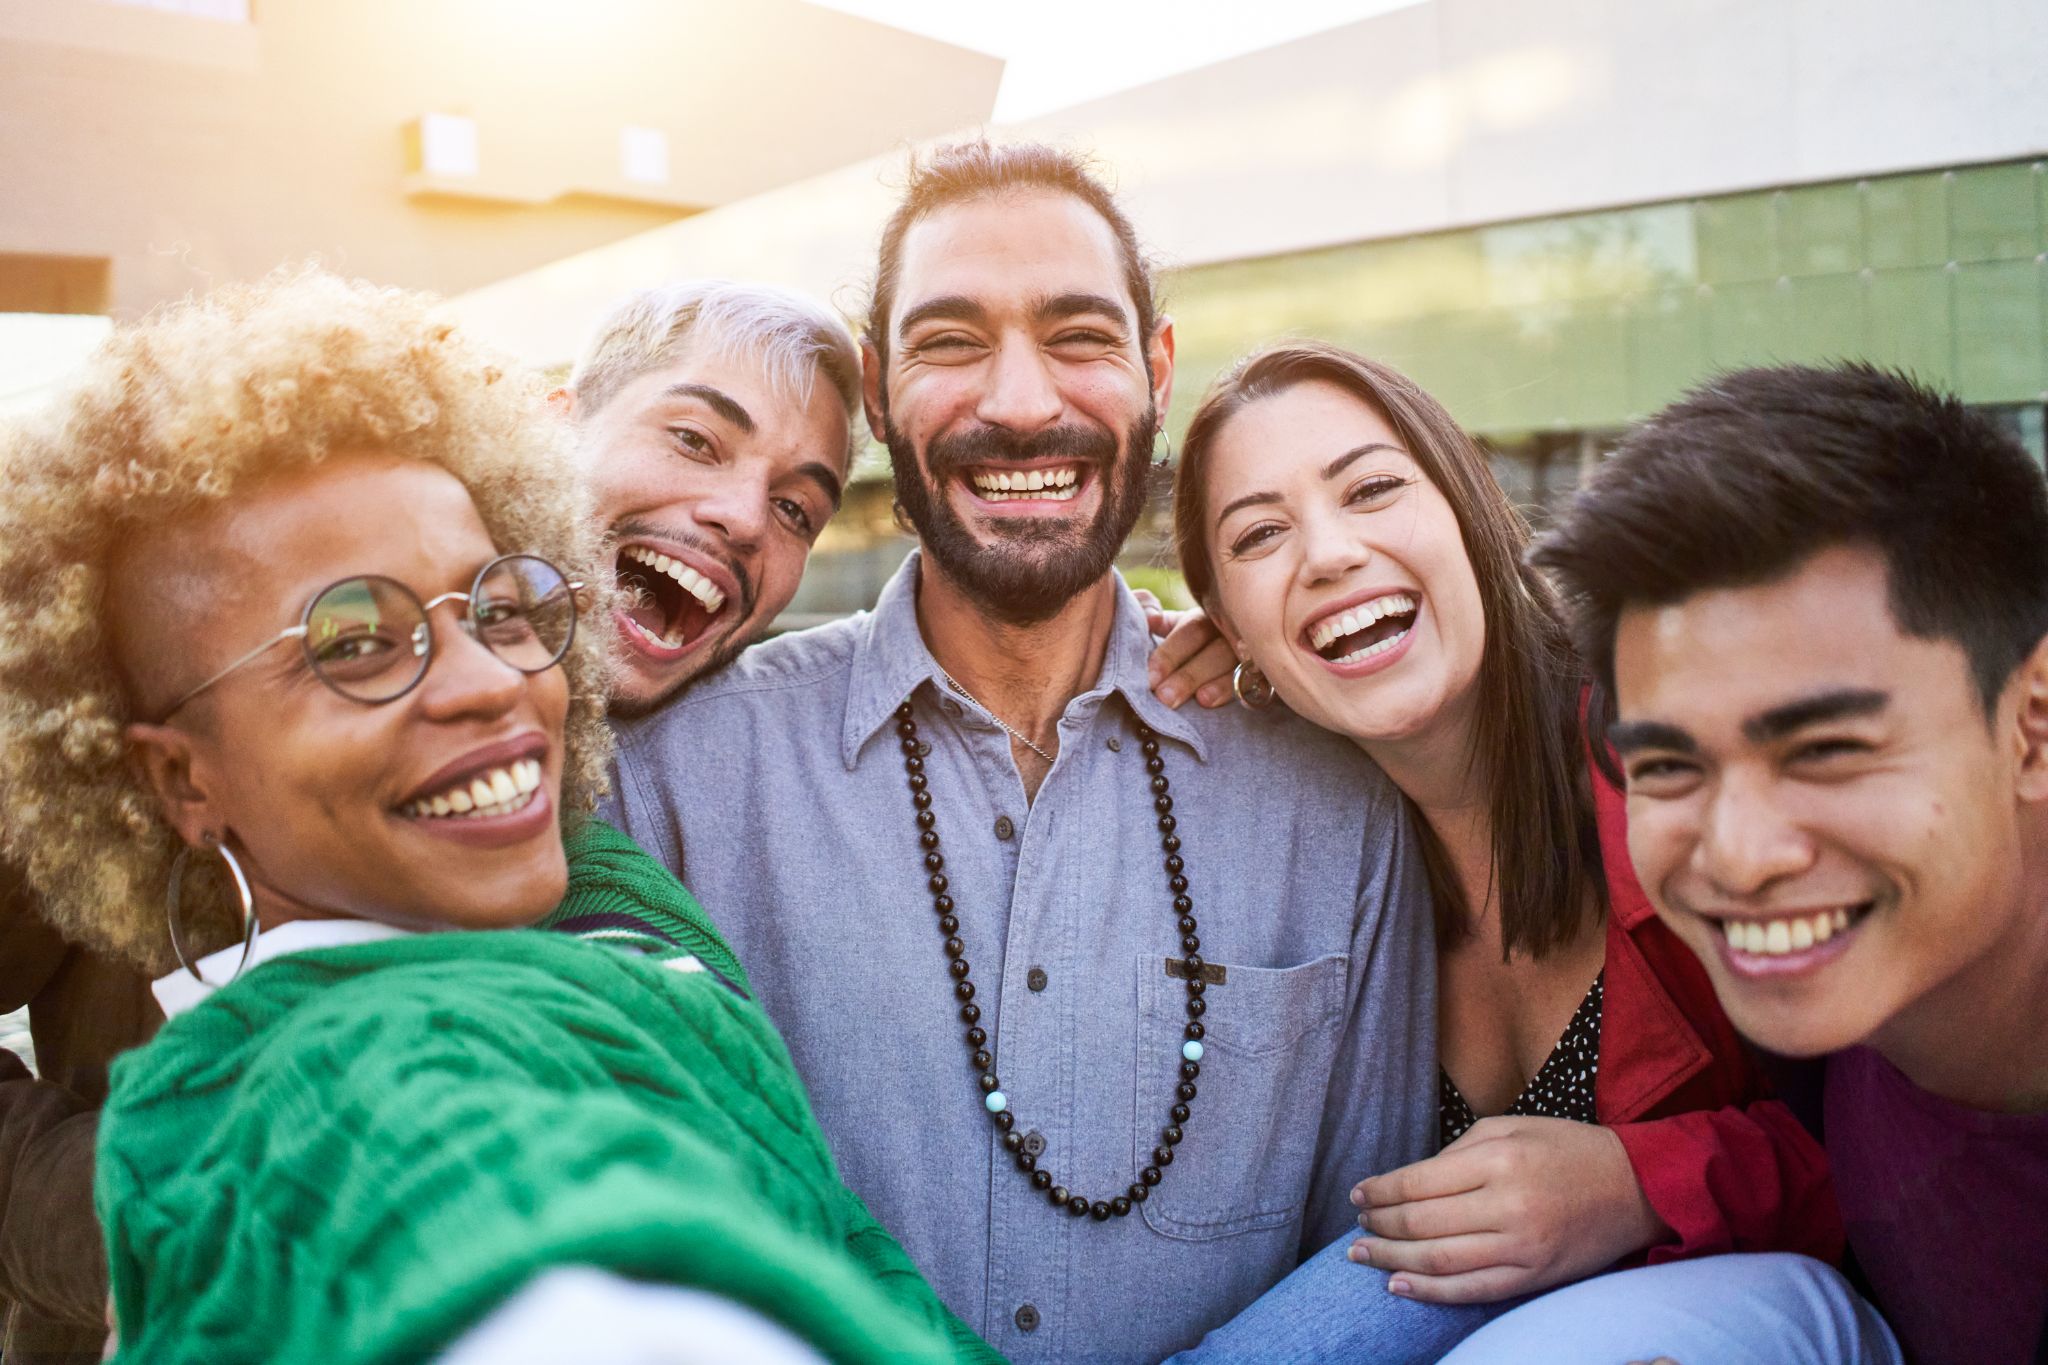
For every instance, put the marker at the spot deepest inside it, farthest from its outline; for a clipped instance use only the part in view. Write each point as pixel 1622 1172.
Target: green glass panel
pixel 1667 351
pixel 1738 238
pixel 1993 212
pixel 1746 324
pixel 1906 221
pixel 1824 320
pixel 1999 339
pixel 1909 323
pixel 1592 358
pixel 1470 367
pixel 2041 204
pixel 1820 230
pixel 1588 256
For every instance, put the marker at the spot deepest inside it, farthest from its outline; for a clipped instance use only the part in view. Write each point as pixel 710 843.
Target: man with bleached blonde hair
pixel 714 425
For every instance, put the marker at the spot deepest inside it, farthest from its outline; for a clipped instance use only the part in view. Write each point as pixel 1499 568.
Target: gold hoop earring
pixel 173 892
pixel 1253 689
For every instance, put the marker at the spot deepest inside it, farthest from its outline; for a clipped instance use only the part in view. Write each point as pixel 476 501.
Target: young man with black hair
pixel 1819 600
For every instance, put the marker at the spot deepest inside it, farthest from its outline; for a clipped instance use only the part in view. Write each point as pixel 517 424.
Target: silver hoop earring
pixel 171 907
pixel 1253 690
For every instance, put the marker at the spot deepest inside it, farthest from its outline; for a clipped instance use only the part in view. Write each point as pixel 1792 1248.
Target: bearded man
pixel 1102 1007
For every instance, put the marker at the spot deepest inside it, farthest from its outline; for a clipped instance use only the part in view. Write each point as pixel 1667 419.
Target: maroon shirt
pixel 1947 1211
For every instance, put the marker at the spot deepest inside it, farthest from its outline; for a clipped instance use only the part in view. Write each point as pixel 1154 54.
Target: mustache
pixel 984 445
pixel 628 529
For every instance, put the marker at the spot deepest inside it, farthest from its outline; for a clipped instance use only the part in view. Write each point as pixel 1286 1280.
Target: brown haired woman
pixel 1353 547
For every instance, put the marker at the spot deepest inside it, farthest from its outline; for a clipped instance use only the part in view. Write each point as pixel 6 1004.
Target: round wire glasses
pixel 370 638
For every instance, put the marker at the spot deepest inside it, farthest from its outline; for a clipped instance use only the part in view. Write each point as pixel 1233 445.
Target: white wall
pixel 1445 114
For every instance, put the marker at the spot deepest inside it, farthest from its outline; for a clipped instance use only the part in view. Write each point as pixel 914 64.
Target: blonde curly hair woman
pixel 281 613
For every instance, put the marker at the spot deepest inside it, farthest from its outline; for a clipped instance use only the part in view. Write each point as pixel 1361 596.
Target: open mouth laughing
pixel 668 605
pixel 1363 632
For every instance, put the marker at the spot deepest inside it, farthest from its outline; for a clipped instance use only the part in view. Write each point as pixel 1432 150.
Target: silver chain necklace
pixel 1017 735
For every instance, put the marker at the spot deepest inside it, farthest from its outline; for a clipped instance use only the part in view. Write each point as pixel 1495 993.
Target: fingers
pixel 1206 677
pixel 1436 1257
pixel 1156 619
pixel 1489 1285
pixel 1448 1172
pixel 1426 1218
pixel 1193 655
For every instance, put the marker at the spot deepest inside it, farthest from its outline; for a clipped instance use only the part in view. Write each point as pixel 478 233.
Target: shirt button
pixel 1035 978
pixel 1034 1143
pixel 924 750
pixel 1004 829
pixel 1116 746
pixel 1027 1319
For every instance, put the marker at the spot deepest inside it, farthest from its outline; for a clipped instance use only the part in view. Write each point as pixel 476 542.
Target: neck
pixel 1436 769
pixel 1024 674
pixel 1981 1038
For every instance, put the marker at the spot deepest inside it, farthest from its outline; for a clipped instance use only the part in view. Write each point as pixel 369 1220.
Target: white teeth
pixel 691 582
pixel 1359 618
pixel 498 792
pixel 1775 938
pixel 1051 485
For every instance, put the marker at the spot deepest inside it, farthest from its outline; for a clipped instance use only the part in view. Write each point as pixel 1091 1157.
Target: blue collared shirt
pixel 777 791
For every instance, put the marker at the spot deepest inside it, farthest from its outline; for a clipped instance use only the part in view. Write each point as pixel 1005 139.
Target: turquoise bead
pixel 997 1102
pixel 1191 1050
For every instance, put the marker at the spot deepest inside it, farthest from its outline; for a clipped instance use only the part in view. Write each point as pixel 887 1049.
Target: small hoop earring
pixel 1165 460
pixel 1253 689
pixel 173 892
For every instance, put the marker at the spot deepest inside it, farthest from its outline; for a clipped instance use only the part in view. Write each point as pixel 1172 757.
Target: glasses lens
pixel 367 638
pixel 524 612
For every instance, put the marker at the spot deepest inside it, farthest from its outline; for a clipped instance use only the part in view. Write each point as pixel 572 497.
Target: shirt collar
pixel 178 992
pixel 891 662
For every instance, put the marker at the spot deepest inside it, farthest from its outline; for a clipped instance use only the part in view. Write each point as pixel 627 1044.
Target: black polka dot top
pixel 1561 1089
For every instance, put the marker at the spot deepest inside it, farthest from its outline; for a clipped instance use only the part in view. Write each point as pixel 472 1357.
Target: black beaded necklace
pixel 979 1055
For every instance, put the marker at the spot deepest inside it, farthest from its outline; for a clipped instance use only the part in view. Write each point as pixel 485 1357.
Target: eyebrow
pixel 1839 704
pixel 1627 736
pixel 960 308
pixel 719 401
pixel 1330 471
pixel 1072 305
pixel 952 307
pixel 825 479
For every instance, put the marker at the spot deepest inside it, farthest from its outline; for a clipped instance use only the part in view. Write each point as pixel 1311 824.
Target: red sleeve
pixel 1735 1179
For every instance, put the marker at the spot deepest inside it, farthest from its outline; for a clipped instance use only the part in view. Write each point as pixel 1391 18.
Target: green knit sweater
pixel 354 1154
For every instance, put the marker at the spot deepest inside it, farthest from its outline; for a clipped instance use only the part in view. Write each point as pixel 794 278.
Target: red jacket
pixel 1729 1168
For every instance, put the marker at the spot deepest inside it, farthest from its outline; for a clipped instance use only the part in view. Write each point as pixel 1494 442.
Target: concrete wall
pixel 185 150
pixel 1445 114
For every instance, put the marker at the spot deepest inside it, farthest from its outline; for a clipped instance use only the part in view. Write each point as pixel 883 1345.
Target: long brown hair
pixel 1528 738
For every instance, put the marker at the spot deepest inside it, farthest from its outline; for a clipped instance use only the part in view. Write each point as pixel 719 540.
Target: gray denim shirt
pixel 777 792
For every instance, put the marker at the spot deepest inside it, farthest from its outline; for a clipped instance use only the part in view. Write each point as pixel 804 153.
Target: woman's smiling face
pixel 1340 568
pixel 329 803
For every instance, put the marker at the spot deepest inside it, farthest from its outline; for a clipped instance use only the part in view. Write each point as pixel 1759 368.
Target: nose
pixel 735 507
pixel 1747 840
pixel 1020 394
pixel 465 680
pixel 1331 548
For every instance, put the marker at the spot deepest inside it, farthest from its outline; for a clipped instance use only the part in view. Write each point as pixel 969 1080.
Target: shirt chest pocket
pixel 1249 1148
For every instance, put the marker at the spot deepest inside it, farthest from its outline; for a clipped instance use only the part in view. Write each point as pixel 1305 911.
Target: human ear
pixel 169 761
pixel 871 389
pixel 1159 363
pixel 2030 724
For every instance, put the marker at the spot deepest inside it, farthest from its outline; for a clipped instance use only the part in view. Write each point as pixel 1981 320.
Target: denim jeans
pixel 1761 1309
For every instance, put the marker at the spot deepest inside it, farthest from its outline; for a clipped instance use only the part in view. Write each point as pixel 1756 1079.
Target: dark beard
pixel 1035 566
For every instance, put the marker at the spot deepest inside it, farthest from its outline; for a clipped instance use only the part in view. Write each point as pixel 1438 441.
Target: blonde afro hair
pixel 173 415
